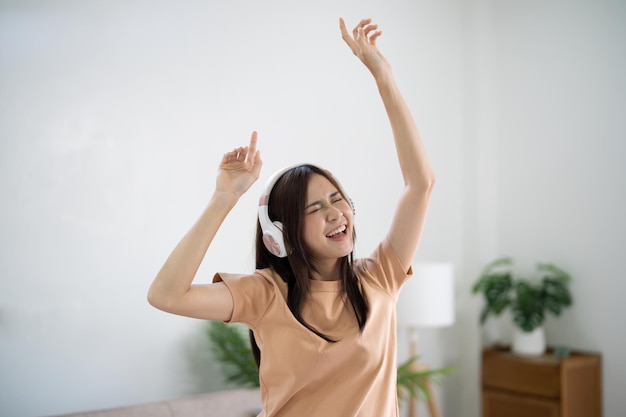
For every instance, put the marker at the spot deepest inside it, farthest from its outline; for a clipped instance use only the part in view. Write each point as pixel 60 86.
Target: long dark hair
pixel 287 202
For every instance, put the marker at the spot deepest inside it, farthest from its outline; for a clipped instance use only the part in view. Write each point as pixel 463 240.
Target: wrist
pixel 386 84
pixel 383 78
pixel 225 198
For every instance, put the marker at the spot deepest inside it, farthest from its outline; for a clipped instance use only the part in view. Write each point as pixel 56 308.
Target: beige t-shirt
pixel 302 374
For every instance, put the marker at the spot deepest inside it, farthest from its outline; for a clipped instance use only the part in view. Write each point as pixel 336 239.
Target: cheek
pixel 350 218
pixel 348 215
pixel 310 230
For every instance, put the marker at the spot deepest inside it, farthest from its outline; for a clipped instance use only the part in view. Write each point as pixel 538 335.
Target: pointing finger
pixel 252 147
pixel 345 35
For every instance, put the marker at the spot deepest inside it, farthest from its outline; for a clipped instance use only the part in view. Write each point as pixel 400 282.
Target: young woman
pixel 323 322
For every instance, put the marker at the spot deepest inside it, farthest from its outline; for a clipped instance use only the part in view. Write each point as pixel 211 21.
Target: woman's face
pixel 327 221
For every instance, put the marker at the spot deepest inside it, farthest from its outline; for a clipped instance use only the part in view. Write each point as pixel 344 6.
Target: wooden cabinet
pixel 541 386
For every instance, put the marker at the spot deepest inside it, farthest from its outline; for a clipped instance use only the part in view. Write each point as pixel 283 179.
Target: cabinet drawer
pixel 526 375
pixel 500 404
pixel 541 386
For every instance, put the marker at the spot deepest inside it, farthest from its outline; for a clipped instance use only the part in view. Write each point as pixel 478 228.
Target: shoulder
pixel 260 279
pixel 258 288
pixel 383 267
pixel 252 294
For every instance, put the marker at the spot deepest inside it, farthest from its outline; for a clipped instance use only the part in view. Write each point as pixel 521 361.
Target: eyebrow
pixel 319 202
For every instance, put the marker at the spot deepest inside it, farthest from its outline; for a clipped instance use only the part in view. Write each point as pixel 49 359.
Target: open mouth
pixel 341 230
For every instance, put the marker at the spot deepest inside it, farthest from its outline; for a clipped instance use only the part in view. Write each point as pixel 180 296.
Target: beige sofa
pixel 230 403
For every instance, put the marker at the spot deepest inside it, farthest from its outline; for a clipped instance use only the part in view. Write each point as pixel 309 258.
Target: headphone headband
pixel 273 230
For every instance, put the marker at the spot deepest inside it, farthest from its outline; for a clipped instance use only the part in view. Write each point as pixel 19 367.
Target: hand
pixel 239 168
pixel 363 45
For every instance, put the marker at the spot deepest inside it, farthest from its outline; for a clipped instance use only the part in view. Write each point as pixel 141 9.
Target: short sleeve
pixel 384 269
pixel 252 295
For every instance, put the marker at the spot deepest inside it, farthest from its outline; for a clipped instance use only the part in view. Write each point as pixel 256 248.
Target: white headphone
pixel 273 230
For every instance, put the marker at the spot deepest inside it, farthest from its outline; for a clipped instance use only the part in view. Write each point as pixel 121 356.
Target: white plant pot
pixel 529 343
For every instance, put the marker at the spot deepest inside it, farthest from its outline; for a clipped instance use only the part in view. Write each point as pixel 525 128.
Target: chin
pixel 347 251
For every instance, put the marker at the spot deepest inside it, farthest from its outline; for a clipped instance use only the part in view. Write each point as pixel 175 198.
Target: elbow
pixel 152 298
pixel 420 179
pixel 430 181
pixel 157 299
pixel 421 188
pixel 426 183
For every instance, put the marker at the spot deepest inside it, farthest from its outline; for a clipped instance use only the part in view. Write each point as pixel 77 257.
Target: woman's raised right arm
pixel 172 288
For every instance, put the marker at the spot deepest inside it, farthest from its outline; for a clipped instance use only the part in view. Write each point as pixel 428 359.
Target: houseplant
pixel 231 348
pixel 529 300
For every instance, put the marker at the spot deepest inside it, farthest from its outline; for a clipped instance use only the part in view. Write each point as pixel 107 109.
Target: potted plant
pixel 231 347
pixel 528 299
pixel 412 379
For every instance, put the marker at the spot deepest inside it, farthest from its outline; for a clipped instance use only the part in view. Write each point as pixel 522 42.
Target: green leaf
pixel 553 271
pixel 410 379
pixel 505 262
pixel 495 287
pixel 232 350
pixel 528 311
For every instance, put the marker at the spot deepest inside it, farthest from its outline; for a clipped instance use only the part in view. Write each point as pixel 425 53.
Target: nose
pixel 334 214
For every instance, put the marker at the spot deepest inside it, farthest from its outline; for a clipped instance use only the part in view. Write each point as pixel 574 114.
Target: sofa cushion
pixel 229 403
pixel 159 409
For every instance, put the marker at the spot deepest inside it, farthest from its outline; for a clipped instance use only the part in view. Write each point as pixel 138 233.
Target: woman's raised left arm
pixel 408 221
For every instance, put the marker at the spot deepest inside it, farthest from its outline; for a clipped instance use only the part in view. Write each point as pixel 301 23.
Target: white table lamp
pixel 426 300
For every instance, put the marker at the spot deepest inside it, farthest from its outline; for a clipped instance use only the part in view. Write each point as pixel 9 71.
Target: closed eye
pixel 316 206
pixel 336 197
pixel 313 207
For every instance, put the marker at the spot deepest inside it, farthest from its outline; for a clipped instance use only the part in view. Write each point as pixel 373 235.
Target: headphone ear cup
pixel 274 241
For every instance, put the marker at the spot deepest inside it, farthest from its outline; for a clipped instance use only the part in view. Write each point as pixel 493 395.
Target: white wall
pixel 562 180
pixel 113 117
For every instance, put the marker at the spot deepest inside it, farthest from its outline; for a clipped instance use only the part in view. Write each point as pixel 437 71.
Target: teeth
pixel 336 231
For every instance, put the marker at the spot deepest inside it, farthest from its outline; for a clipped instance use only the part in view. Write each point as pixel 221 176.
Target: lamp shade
pixel 427 298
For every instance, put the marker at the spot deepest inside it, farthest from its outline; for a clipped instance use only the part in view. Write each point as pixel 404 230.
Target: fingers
pixel 244 154
pixel 365 31
pixel 345 35
pixel 375 36
pixel 362 23
pixel 255 153
pixel 254 156
pixel 252 146
pixel 342 27
pixel 369 28
pixel 236 155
